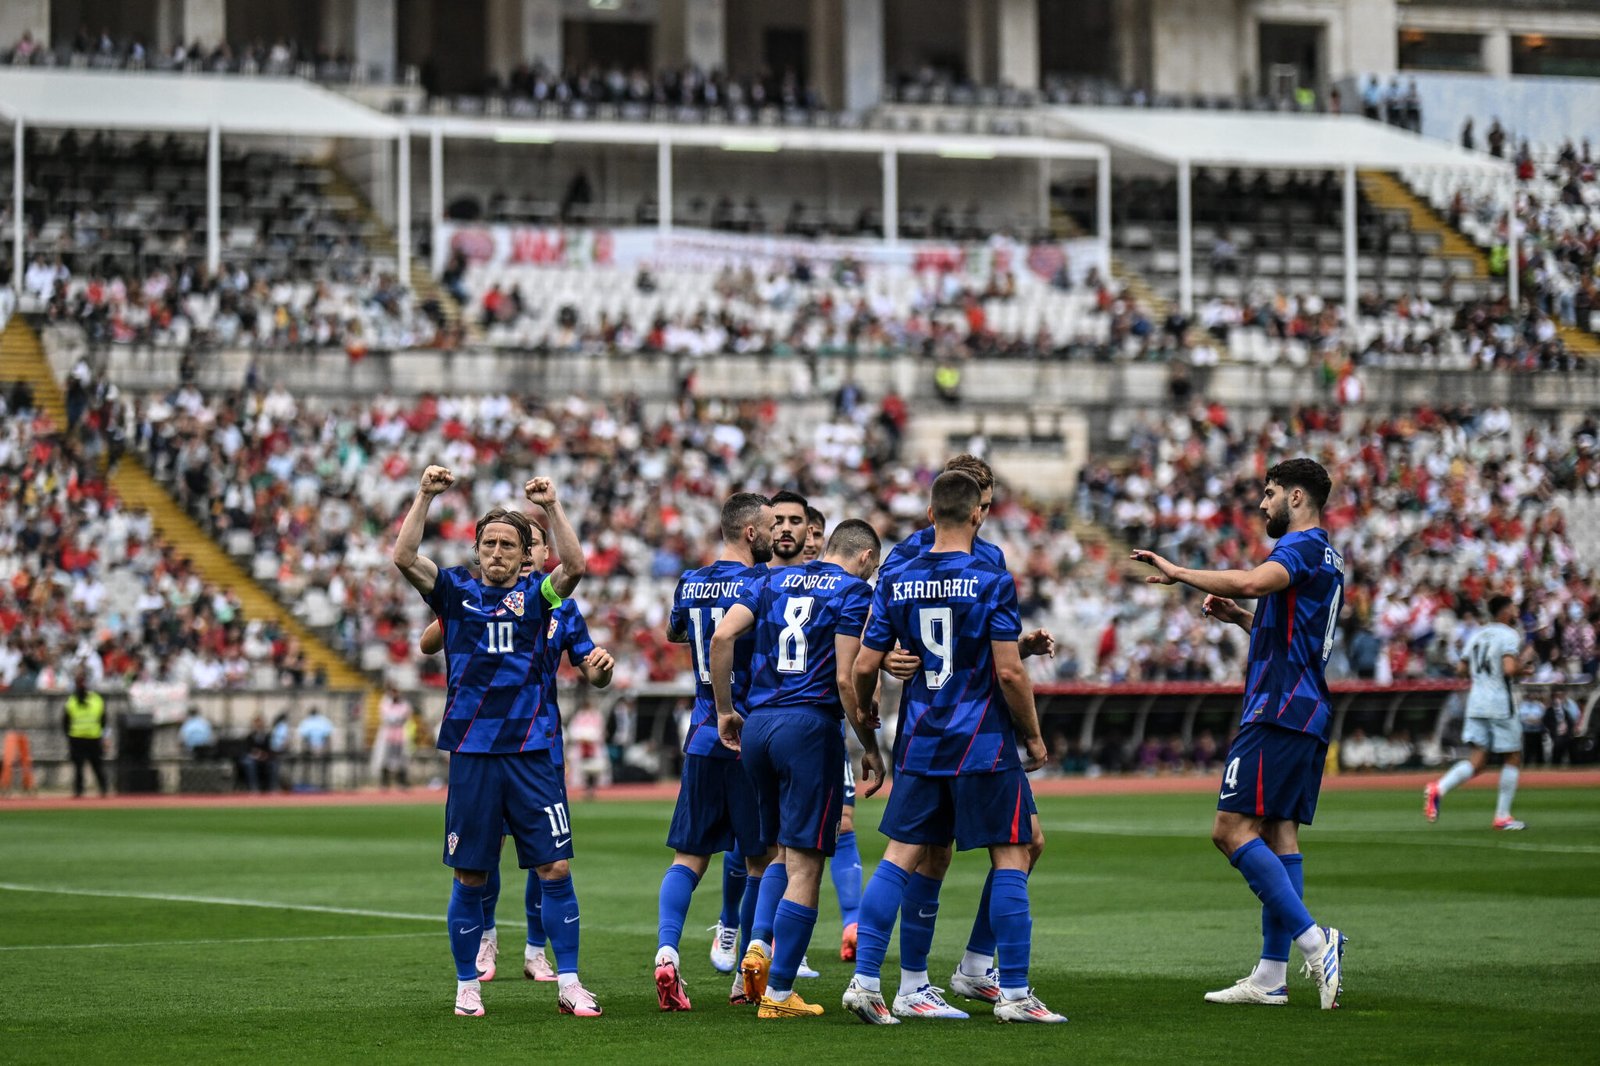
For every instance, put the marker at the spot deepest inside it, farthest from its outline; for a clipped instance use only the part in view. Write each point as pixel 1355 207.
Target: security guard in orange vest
pixel 85 723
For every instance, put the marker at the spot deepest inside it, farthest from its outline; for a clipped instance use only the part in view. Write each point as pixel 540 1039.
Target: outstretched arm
pixel 420 570
pixel 1264 580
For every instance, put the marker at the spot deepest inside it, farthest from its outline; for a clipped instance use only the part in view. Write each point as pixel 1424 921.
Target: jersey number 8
pixel 792 641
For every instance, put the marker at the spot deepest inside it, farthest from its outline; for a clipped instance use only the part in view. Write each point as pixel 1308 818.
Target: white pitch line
pixel 220 901
pixel 205 943
pixel 1410 838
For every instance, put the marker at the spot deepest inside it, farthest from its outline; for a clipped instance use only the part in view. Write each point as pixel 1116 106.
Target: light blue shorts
pixel 1499 735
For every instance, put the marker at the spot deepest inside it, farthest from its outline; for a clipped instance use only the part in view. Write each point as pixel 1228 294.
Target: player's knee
pixel 472 878
pixel 554 871
pixel 935 863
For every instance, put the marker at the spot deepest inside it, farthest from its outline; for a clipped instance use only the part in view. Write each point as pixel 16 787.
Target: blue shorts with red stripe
pixel 1272 772
pixel 522 795
pixel 977 810
pixel 793 757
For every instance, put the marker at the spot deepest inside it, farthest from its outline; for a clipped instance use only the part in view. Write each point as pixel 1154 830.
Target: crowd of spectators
pixel 103 51
pixel 579 89
pixel 85 583
pixel 1434 511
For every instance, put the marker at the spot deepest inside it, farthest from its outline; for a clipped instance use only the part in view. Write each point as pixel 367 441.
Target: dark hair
pixel 973 467
pixel 515 519
pixel 1305 474
pixel 786 496
pixel 851 537
pixel 816 518
pixel 955 494
pixel 1498 604
pixel 740 510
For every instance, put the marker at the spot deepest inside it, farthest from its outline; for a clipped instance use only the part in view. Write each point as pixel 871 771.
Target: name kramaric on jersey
pixel 946 588
pixel 713 590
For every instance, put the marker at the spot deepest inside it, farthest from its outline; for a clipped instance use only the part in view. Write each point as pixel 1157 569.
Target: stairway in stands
pixel 23 358
pixel 1388 193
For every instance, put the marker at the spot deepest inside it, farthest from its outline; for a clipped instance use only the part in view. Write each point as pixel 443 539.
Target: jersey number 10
pixel 498 635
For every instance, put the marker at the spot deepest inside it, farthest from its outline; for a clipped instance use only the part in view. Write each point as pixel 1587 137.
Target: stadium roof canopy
pixel 56 99
pixel 1346 143
pixel 1267 141
pixel 187 103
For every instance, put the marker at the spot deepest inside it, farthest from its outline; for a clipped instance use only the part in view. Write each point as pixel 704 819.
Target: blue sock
pixel 733 883
pixel 677 888
pixel 879 903
pixel 919 907
pixel 533 903
pixel 491 896
pixel 1013 926
pixel 747 917
pixel 791 930
pixel 562 925
pixel 465 917
pixel 773 884
pixel 1269 880
pixel 981 939
pixel 846 869
pixel 1275 939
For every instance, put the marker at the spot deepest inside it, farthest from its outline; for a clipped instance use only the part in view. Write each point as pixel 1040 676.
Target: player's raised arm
pixel 420 570
pixel 738 621
pixel 1018 691
pixel 563 538
pixel 1253 584
pixel 432 640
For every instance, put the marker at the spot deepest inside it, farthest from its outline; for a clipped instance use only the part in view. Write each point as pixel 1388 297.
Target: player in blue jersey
pixel 807 623
pixel 975 976
pixel 496 631
pixel 1273 771
pixel 570 636
pixel 716 807
pixel 958 774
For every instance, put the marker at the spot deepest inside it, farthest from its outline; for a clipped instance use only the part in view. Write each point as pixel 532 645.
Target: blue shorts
pixel 1271 772
pixel 716 809
pixel 976 810
pixel 793 758
pixel 524 795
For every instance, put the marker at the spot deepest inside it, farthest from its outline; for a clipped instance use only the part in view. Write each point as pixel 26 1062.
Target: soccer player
pixel 716 802
pixel 807 622
pixel 846 864
pixel 571 635
pixel 1273 771
pixel 1494 657
pixel 501 773
pixel 975 976
pixel 957 770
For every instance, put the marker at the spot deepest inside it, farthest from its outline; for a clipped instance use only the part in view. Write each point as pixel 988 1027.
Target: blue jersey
pixel 495 661
pixel 921 542
pixel 947 608
pixel 1292 636
pixel 569 633
pixel 799 610
pixel 703 596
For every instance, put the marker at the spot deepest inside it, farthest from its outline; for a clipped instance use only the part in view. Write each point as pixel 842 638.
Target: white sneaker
pixel 805 969
pixel 1326 969
pixel 925 1002
pixel 985 989
pixel 536 967
pixel 1245 991
pixel 469 1001
pixel 867 1005
pixel 724 947
pixel 488 951
pixel 1027 1009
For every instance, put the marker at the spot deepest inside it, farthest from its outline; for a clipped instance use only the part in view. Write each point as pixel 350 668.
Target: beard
pixel 787 549
pixel 761 552
pixel 1278 522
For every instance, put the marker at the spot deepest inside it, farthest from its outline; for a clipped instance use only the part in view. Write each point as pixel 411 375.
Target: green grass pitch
pixel 1466 946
